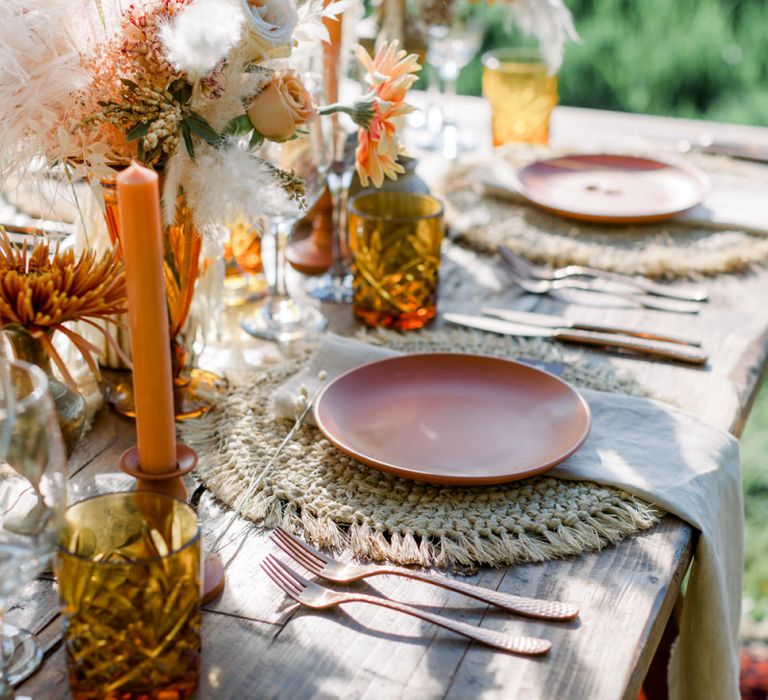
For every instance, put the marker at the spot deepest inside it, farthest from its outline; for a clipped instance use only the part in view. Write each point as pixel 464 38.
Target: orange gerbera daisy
pixel 390 75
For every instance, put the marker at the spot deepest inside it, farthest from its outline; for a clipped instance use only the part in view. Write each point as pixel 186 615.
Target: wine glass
pixel 454 30
pixel 33 495
pixel 283 317
pixel 335 286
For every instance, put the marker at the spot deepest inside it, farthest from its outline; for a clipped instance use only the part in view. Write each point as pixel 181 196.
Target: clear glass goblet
pixel 33 498
pixel 335 286
pixel 454 31
pixel 283 317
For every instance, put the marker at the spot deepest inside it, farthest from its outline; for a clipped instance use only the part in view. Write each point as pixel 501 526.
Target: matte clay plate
pixel 612 188
pixel 453 419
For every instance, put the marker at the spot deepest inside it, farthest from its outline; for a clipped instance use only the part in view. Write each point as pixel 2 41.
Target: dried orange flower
pixel 42 290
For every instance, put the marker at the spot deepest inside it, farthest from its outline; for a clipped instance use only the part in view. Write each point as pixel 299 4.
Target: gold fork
pixel 316 596
pixel 342 572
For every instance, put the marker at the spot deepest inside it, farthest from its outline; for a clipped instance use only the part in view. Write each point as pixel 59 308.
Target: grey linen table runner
pixel 659 454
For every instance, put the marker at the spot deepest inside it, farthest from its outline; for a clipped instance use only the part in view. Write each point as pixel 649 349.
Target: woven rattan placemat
pixel 341 504
pixel 666 250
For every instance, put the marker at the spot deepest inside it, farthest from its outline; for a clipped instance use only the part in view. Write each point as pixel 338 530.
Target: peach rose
pixel 281 107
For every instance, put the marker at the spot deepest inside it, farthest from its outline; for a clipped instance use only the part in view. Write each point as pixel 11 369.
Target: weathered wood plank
pixel 598 656
pixel 34 606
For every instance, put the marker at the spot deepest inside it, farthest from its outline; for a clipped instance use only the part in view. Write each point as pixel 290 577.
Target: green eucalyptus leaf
pixel 129 84
pixel 202 128
pixel 138 131
pixel 256 139
pixel 238 126
pixel 187 135
pixel 153 154
pixel 181 90
pixel 256 68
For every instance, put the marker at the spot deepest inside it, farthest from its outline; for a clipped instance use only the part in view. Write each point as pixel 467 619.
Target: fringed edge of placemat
pixel 627 516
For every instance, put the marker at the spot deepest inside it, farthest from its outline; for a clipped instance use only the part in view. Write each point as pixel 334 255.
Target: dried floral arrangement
pixel 191 87
pixel 43 289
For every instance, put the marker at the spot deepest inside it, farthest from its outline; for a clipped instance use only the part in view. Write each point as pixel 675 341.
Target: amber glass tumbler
pixel 395 239
pixel 522 93
pixel 129 572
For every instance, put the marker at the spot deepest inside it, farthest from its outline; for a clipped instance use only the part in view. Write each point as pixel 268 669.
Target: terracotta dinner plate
pixel 612 188
pixel 453 419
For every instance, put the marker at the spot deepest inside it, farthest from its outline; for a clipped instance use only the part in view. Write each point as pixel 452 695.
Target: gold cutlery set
pixel 313 595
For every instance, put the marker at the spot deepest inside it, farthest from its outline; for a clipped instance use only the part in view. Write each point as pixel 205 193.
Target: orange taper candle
pixel 138 197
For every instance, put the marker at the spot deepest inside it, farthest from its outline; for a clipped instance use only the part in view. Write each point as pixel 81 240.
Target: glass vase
pixel 70 405
pixel 195 389
pixel 244 280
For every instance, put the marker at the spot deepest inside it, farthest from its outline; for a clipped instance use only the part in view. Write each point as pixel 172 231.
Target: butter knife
pixel 653 348
pixel 550 321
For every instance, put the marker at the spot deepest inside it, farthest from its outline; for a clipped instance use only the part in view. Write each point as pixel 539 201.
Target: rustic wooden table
pixel 256 645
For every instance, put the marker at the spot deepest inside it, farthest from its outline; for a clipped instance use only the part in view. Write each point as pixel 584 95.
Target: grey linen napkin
pixel 659 454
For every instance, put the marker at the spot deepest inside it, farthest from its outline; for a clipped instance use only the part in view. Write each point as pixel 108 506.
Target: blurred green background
pixel 687 58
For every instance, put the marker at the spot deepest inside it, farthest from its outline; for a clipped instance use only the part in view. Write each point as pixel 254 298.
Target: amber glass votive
pixel 395 239
pixel 129 572
pixel 522 93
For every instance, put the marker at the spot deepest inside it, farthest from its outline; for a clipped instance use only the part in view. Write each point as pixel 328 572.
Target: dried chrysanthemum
pixel 42 290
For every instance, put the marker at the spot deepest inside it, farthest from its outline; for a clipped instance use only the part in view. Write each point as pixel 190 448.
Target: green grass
pixel 754 457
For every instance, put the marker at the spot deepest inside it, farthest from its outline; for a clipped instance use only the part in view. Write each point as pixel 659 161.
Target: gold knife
pixel 653 348
pixel 550 321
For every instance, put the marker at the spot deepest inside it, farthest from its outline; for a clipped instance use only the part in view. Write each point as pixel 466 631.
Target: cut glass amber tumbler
pixel 395 239
pixel 129 572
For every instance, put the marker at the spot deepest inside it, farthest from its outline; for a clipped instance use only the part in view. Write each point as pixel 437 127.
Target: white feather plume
pixel 550 22
pixel 225 184
pixel 40 73
pixel 201 35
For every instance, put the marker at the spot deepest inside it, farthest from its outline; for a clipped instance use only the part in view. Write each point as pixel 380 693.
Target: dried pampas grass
pixel 41 74
pixel 225 184
pixel 311 27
